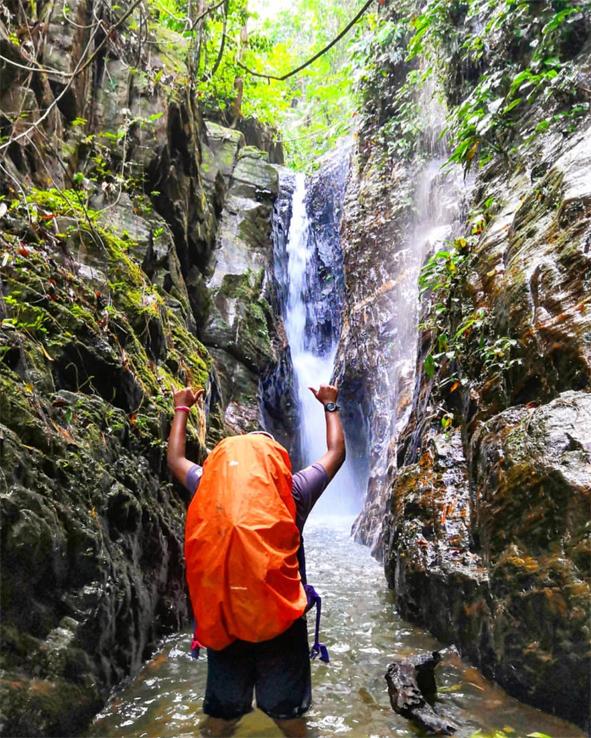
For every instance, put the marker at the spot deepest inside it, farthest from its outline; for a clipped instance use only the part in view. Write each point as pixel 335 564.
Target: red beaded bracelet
pixel 184 408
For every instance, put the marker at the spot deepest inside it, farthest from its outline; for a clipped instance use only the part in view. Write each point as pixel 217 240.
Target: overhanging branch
pixel 335 41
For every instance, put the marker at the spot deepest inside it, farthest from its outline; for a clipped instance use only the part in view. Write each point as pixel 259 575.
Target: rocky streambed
pixel 363 634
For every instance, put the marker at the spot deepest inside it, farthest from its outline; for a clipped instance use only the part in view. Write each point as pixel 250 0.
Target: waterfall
pixel 312 333
pixel 297 263
pixel 390 323
pixel 438 197
pixel 438 200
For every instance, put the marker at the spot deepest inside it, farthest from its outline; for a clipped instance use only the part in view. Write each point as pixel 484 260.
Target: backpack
pixel 241 544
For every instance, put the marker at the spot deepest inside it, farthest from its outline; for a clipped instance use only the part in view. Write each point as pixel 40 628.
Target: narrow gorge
pixel 434 263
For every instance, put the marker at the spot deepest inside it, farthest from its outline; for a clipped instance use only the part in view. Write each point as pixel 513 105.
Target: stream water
pixel 360 625
pixel 312 366
pixel 363 633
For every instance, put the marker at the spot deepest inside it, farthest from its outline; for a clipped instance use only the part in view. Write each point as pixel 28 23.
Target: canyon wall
pixel 135 254
pixel 480 449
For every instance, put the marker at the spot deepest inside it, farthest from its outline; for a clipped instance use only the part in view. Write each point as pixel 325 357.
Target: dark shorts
pixel 277 671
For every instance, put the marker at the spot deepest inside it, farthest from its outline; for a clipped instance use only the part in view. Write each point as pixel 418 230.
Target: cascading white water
pixel 311 369
pixel 439 195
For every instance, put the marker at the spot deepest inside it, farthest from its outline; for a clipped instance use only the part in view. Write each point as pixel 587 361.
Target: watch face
pixel 330 406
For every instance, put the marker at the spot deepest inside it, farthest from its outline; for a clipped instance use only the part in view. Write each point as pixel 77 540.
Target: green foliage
pixel 430 29
pixel 171 14
pixel 378 56
pixel 462 334
pixel 534 67
pixel 493 59
pixel 316 107
pixel 442 267
pixel 390 111
pixel 46 204
pixel 23 316
pixel 312 109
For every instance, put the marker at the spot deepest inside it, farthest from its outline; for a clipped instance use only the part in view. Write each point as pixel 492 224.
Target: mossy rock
pixel 41 707
pixel 91 524
pixel 239 320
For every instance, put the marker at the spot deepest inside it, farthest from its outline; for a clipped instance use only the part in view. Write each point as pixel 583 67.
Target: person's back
pixel 241 544
pixel 276 668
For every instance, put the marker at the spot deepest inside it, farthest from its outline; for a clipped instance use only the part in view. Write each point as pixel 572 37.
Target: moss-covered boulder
pixel 108 222
pixel 532 496
pixel 502 568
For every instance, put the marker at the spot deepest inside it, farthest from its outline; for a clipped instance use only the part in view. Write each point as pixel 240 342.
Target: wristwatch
pixel 331 407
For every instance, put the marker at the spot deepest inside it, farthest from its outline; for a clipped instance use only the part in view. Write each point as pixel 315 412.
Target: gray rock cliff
pixel 479 447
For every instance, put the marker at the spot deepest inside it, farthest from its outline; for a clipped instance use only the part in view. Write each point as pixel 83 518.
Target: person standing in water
pixel 276 670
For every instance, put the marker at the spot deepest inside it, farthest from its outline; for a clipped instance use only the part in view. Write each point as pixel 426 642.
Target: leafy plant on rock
pixel 464 343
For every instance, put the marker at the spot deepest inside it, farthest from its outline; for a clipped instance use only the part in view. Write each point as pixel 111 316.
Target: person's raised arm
pixel 335 436
pixel 178 464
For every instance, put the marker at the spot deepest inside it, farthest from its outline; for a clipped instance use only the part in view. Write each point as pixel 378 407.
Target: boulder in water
pixel 412 690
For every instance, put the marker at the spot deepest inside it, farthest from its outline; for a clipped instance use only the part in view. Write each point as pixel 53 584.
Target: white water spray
pixel 311 369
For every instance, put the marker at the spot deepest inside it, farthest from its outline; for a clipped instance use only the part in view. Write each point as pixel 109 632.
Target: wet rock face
pixel 102 309
pixel 532 269
pixel 532 472
pixel 175 174
pixel 479 498
pixel 429 558
pixel 101 579
pixel 513 594
pixel 504 574
pixel 502 570
pixel 237 289
pixel 544 452
pixel 367 346
pixel 326 287
pixel 92 567
pixel 278 405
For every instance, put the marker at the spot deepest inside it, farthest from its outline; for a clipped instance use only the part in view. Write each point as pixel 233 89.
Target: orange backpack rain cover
pixel 241 544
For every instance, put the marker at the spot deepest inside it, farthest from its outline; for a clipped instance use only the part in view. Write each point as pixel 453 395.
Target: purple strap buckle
pixel 318 649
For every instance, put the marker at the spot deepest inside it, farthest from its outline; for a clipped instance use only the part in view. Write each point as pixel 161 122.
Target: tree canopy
pixel 310 110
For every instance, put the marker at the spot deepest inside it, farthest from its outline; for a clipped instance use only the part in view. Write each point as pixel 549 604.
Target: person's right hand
pixel 326 393
pixel 187 396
